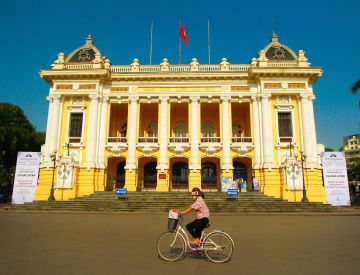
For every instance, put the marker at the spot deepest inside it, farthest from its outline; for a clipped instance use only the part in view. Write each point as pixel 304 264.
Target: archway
pixel 115 173
pixel 209 179
pixel 150 175
pixel 180 176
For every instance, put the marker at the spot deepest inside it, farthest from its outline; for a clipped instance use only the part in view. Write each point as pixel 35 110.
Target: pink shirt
pixel 201 208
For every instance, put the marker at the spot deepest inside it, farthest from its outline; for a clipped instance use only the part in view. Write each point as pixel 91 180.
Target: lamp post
pixel 53 158
pixel 303 158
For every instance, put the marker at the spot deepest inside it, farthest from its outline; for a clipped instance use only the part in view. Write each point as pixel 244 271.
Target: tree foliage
pixel 16 134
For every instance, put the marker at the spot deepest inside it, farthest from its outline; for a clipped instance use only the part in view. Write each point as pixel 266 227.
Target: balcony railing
pixel 148 139
pixel 179 139
pixel 116 139
pixel 210 140
pixel 242 139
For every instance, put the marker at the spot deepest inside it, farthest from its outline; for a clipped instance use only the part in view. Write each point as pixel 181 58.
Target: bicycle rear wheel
pixel 171 247
pixel 218 247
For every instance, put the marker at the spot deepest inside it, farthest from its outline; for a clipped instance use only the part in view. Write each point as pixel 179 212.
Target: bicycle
pixel 218 246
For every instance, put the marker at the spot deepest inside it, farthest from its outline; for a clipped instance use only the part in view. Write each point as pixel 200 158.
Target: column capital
pixel 163 98
pixel 225 98
pixel 133 98
pixel 105 99
pixel 194 98
pixel 254 98
pixel 55 97
pixel 94 97
pixel 305 96
pixel 265 96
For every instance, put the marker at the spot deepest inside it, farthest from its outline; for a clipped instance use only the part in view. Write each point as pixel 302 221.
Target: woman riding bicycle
pixel 202 215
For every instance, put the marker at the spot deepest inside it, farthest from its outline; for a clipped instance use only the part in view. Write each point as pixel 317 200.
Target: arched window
pixel 152 129
pixel 208 129
pixel 180 129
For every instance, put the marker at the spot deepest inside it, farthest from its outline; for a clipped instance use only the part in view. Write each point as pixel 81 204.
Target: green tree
pixel 16 134
pixel 327 149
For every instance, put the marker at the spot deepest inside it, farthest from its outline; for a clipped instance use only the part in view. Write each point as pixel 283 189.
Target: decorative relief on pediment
pixel 272 85
pixel 63 86
pixel 119 89
pixel 77 100
pixel 240 88
pixel 87 86
pixel 296 85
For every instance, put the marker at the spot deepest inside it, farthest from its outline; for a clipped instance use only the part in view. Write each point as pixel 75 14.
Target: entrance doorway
pixel 120 175
pixel 208 176
pixel 180 176
pixel 150 175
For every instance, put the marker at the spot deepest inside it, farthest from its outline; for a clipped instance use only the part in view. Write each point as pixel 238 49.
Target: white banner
pixel 335 179
pixel 26 177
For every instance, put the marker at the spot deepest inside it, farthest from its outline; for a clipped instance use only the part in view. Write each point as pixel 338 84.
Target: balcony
pixel 179 144
pixel 210 145
pixel 116 145
pixel 148 145
pixel 242 144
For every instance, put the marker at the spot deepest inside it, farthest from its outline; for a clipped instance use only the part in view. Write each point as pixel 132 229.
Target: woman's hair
pixel 197 192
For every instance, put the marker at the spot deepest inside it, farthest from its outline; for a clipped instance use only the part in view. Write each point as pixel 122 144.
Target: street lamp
pixel 53 158
pixel 303 158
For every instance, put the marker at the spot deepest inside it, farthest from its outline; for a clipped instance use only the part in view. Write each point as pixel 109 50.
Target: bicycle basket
pixel 172 223
pixel 173 220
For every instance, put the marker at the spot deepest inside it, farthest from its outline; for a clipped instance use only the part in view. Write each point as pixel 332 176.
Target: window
pixel 75 132
pixel 285 126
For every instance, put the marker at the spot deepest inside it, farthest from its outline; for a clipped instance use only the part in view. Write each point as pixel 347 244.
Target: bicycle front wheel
pixel 171 246
pixel 218 247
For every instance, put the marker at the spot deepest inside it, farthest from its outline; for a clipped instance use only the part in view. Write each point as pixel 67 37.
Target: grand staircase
pixel 251 202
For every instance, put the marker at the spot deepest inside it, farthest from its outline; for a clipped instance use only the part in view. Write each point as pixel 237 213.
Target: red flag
pixel 183 34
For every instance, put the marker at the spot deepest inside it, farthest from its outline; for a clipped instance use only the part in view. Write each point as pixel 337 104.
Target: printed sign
pixel 226 183
pixel 335 179
pixel 26 177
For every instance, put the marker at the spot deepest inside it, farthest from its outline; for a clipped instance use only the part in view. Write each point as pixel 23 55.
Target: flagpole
pixel 209 39
pixel 151 40
pixel 179 45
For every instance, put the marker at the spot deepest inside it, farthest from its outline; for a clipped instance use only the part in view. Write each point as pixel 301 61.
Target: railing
pixel 210 140
pixel 179 139
pixel 78 66
pixel 282 64
pixel 285 139
pixel 116 139
pixel 172 68
pixel 242 139
pixel 148 139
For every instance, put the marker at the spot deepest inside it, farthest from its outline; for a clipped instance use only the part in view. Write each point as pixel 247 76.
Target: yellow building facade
pixel 170 128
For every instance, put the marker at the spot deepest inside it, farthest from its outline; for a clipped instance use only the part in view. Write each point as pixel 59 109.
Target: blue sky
pixel 33 32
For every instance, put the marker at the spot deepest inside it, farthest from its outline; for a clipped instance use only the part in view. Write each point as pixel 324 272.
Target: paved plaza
pixel 125 243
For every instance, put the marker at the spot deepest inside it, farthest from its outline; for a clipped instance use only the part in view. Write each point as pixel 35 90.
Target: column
pixel 132 122
pixel 162 168
pixel 307 128
pixel 92 131
pixel 130 173
pixel 102 132
pixel 54 127
pixel 48 127
pixel 194 160
pixel 227 163
pixel 256 125
pixel 163 135
pixel 267 131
